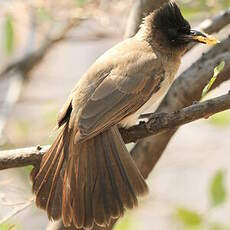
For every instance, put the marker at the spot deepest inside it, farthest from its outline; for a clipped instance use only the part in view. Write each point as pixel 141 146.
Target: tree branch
pixel 161 122
pixel 31 59
pixel 154 146
pixel 140 9
pixel 215 24
pixel 21 157
pixel 157 123
pixel 185 90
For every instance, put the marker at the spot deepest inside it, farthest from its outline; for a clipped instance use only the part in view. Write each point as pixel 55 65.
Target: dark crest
pixel 171 23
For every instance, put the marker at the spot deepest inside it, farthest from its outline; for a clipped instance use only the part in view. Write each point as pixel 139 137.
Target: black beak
pixel 200 37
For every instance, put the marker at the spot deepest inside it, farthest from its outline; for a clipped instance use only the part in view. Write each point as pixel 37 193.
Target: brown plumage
pixel 88 177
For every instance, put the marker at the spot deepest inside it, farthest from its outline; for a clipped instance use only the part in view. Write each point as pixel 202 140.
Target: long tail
pixel 88 183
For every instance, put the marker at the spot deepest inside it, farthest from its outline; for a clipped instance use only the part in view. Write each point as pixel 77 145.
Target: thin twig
pixel 33 58
pixel 19 70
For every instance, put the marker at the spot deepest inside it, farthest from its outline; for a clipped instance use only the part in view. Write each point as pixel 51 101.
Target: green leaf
pixel 217 70
pixel 189 217
pixel 221 119
pixel 9 34
pixel 7 226
pixel 217 189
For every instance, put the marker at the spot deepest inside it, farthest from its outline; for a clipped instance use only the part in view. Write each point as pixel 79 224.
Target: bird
pixel 88 177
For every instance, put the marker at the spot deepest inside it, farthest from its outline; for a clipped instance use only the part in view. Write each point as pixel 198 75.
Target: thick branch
pixel 155 145
pixel 21 157
pixel 183 93
pixel 185 90
pixel 215 24
pixel 158 122
pixel 140 9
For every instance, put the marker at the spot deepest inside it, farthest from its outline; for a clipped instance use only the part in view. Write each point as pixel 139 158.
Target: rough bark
pixel 185 90
pixel 159 122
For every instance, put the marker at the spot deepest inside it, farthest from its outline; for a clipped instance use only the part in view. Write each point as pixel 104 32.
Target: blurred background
pixel 189 187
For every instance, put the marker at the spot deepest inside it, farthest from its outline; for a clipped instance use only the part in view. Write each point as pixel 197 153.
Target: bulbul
pixel 87 176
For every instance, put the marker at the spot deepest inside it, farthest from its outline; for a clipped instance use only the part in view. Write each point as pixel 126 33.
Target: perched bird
pixel 87 176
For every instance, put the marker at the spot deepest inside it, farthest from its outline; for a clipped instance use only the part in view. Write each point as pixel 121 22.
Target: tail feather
pixel 121 190
pixel 55 200
pixel 44 179
pixel 117 207
pixel 89 174
pixel 90 182
pixel 52 205
pixel 136 180
pixel 48 181
pixel 66 199
pixel 44 167
pixel 79 177
pixel 125 189
pixel 102 188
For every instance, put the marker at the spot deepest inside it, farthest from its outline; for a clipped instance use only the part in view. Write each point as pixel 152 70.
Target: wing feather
pixel 115 86
pixel 114 99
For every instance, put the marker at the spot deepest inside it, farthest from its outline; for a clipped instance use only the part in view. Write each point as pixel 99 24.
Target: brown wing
pixel 116 85
pixel 115 98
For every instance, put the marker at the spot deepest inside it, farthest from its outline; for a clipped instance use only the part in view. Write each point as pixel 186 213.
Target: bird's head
pixel 173 30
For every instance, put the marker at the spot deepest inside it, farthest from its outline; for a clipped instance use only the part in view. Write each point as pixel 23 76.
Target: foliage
pixel 8 226
pixel 217 189
pixel 216 72
pixel 222 118
pixel 188 217
pixel 192 220
pixel 9 34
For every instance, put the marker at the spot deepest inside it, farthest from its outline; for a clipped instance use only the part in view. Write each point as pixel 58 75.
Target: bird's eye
pixel 184 30
pixel 173 33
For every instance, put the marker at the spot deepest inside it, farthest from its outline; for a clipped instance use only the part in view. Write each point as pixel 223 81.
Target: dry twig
pixel 157 123
pixel 19 70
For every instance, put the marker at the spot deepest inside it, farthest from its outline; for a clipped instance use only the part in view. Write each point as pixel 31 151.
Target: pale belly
pixel 152 103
